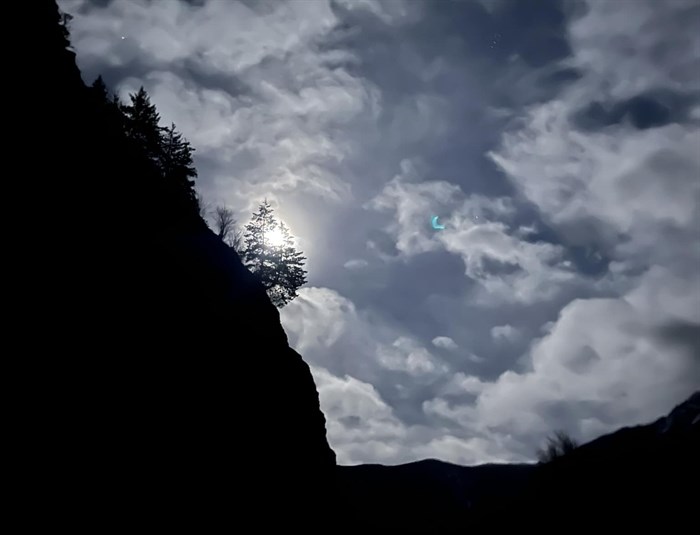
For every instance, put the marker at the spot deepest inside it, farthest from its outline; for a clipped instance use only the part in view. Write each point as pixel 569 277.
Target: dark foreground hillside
pixel 166 393
pixel 429 496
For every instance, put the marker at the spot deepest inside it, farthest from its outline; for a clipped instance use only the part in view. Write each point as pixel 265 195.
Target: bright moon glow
pixel 274 237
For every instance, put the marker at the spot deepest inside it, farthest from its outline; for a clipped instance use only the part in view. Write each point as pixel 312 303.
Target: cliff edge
pixel 165 392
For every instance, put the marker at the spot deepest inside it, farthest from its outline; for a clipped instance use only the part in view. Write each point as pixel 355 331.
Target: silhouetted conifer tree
pixel 176 162
pixel 106 103
pixel 277 263
pixel 165 147
pixel 290 274
pixel 99 89
pixel 141 124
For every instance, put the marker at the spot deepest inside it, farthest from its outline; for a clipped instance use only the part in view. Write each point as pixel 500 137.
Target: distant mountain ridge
pixel 684 418
pixel 646 464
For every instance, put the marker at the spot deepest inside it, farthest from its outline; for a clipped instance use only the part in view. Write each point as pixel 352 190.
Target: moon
pixel 274 237
pixel 436 225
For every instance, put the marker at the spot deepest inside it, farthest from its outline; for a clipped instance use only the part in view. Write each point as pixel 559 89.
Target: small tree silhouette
pixel 276 262
pixel 558 445
pixel 225 227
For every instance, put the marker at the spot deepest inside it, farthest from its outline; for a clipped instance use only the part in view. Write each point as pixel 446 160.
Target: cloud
pixel 370 377
pixel 662 35
pixel 506 265
pixel 628 190
pixel 444 342
pixel 317 318
pixel 460 384
pixel 613 348
pixel 600 186
pixel 505 333
pixel 327 327
pixel 632 192
pixel 404 354
pixel 361 426
pixel 598 367
pixel 414 203
pixel 172 32
pixel 389 11
pixel 356 263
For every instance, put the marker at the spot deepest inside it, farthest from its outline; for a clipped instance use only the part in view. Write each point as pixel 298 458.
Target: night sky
pixel 558 142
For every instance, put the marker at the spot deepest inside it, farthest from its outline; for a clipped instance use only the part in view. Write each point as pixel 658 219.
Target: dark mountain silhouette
pixel 165 393
pixel 427 496
pixel 632 477
pixel 160 390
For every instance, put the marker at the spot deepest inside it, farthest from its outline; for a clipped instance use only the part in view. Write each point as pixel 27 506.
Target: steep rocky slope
pixel 170 396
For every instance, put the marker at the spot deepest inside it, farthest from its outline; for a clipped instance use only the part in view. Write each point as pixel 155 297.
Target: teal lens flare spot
pixel 436 225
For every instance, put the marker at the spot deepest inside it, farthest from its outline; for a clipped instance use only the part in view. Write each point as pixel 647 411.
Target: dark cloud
pixel 650 110
pixel 684 335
